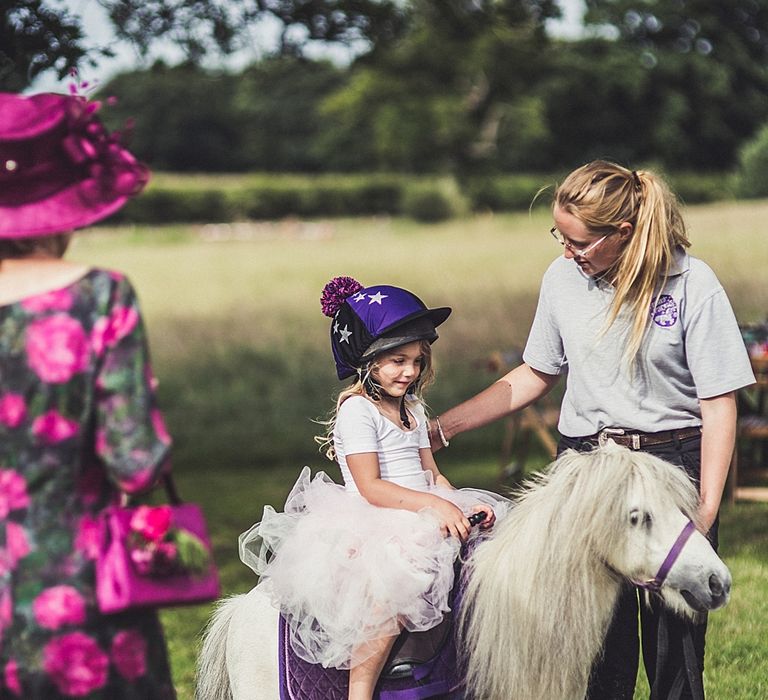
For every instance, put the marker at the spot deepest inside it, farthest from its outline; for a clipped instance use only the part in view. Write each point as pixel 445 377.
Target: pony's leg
pixel 364 676
pixel 252 649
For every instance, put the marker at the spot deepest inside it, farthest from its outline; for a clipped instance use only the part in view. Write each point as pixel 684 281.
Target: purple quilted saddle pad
pixel 301 680
pixel 429 667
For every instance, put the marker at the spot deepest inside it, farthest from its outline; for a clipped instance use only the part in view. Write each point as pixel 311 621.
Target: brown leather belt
pixel 635 440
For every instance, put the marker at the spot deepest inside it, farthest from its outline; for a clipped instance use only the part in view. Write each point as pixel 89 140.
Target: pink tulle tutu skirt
pixel 344 572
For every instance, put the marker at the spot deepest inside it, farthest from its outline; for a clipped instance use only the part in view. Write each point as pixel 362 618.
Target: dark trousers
pixel 614 673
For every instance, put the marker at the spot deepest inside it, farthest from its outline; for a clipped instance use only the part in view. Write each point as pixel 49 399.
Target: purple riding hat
pixel 369 320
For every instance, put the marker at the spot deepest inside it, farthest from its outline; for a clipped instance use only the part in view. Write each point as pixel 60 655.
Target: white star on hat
pixel 359 297
pixel 336 327
pixel 377 298
pixel 345 333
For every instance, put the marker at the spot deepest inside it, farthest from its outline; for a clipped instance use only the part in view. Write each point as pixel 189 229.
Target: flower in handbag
pixel 158 548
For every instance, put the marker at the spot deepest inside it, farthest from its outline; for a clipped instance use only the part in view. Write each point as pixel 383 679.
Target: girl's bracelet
pixel 441 433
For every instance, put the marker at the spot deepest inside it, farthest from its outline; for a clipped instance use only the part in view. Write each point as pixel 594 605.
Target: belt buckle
pixel 605 434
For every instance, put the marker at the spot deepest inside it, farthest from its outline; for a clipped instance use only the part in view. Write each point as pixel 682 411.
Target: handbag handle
pixel 170 490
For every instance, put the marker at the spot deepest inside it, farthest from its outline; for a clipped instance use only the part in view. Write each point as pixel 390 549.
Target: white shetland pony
pixel 541 589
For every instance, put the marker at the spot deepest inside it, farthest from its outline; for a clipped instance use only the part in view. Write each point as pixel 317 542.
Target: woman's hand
pixel 707 517
pixel 490 516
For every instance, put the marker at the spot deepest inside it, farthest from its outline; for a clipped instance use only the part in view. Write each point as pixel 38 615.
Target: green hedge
pixel 698 188
pixel 752 177
pixel 204 199
pixel 509 192
pixel 219 199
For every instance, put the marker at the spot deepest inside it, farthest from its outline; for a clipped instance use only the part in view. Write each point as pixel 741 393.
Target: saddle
pixel 420 665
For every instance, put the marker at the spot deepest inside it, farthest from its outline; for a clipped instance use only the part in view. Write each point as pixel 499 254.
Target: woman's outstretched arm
pixel 517 389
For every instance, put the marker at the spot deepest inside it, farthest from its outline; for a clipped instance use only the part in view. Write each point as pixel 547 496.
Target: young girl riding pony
pixel 351 566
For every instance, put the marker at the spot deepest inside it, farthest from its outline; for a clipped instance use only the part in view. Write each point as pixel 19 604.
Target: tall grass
pixel 241 350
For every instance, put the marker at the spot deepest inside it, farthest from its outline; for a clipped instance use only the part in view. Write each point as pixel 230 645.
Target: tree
pixel 709 67
pixel 596 105
pixel 278 103
pixel 201 26
pixel 184 118
pixel 36 37
pixel 41 35
pixel 436 98
pixel 190 119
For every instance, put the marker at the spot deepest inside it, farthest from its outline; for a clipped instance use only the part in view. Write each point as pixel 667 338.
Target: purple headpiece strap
pixel 654 585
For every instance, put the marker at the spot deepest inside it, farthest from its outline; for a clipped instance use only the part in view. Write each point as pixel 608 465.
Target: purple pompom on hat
pixel 336 292
pixel 60 169
pixel 370 320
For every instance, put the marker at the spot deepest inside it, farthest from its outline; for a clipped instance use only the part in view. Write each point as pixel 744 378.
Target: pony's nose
pixel 719 588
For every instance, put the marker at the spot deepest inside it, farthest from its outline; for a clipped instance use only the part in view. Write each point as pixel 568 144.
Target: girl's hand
pixel 452 521
pixel 490 516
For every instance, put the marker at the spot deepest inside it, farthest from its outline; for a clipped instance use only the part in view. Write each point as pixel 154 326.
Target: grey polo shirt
pixel 692 350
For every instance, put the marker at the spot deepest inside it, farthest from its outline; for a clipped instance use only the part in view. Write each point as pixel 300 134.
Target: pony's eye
pixel 637 516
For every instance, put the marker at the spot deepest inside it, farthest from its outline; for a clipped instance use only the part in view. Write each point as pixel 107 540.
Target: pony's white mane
pixel 539 596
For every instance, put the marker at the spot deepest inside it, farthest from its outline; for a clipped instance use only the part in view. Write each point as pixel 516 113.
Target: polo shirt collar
pixel 681 262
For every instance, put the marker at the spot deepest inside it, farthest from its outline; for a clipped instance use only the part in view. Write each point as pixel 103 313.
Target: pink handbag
pixel 154 556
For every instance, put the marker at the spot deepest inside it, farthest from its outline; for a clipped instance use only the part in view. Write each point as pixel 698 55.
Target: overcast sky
pixel 99 32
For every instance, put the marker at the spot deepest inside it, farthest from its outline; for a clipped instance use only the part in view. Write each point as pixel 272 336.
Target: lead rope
pixel 692 664
pixel 662 654
pixel 690 661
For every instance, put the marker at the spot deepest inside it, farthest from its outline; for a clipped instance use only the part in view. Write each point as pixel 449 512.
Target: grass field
pixel 240 348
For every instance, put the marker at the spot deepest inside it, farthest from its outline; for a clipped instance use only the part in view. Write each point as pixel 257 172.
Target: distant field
pixel 272 273
pixel 241 350
pixel 258 284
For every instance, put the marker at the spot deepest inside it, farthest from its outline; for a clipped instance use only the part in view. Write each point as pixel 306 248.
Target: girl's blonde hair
pixel 604 195
pixel 358 388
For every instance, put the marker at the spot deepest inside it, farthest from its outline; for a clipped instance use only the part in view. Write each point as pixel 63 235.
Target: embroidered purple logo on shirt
pixel 665 313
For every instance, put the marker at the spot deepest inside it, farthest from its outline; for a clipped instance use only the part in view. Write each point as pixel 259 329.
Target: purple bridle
pixel 654 585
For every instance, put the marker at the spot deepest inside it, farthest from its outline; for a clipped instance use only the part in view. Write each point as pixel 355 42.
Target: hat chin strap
pixel 371 388
pixel 404 413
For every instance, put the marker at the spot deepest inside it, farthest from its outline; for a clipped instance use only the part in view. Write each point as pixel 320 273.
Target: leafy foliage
pixel 183 117
pixel 278 101
pixel 436 98
pixel 34 38
pixel 202 26
pixel 41 35
pixel 473 88
pixel 708 65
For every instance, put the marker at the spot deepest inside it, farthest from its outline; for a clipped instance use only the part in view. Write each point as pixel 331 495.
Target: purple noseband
pixel 654 584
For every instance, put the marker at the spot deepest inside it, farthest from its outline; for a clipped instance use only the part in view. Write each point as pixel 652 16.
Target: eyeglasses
pixel 577 252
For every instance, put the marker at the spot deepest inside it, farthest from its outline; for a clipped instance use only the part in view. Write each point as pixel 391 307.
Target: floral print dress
pixel 78 421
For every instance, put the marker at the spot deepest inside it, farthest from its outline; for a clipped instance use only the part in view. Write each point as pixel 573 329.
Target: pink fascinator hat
pixel 60 169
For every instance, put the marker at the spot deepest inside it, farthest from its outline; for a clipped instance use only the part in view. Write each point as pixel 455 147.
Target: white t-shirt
pixel 361 428
pixel 692 350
